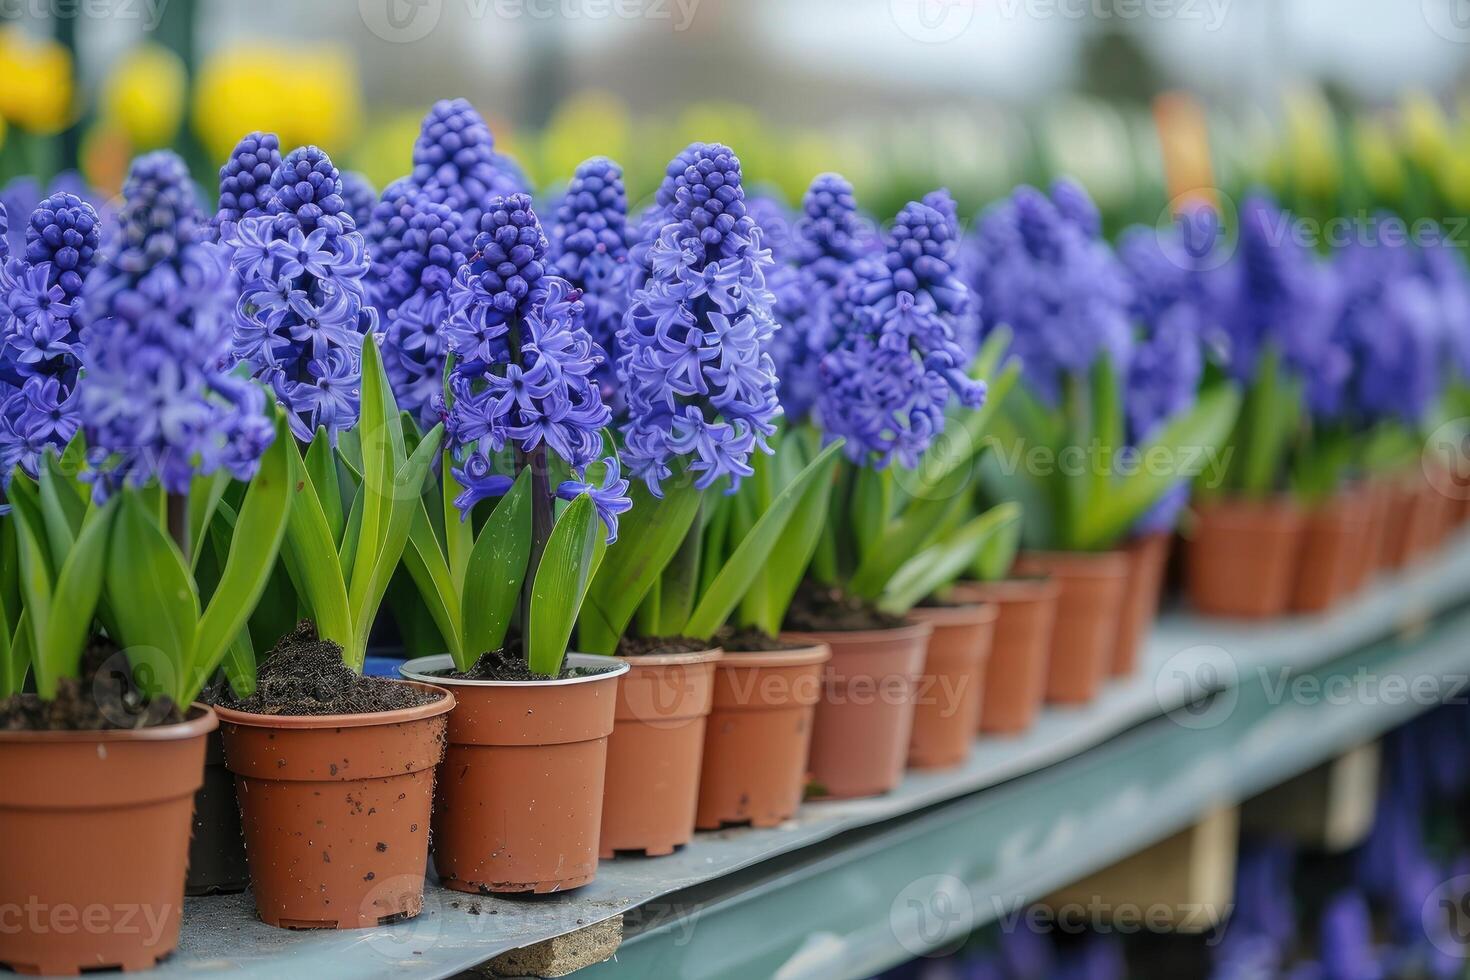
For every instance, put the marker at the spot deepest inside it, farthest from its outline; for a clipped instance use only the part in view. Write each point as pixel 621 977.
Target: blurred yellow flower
pixel 1311 142
pixel 385 151
pixel 143 96
pixel 591 123
pixel 1378 157
pixel 37 90
pixel 308 94
pixel 1426 131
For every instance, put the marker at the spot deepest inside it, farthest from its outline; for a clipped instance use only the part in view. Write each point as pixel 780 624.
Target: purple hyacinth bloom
pixel 1061 292
pixel 589 248
pixel 64 233
pixel 1445 268
pixel 422 251
pixel 245 181
pixel 303 309
pixel 693 350
pixel 156 401
pixel 1346 944
pixel 896 361
pixel 454 158
pixel 524 372
pixel 359 194
pixel 1389 335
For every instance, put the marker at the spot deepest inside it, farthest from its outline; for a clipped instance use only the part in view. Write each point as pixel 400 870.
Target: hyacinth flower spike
pixel 525 424
pixel 695 367
pixel 245 181
pixel 1050 280
pixel 189 478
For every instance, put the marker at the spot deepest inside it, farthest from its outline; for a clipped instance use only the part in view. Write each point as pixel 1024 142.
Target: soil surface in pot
pixel 660 646
pixel 102 697
pixel 753 640
pixel 824 609
pixel 509 664
pixel 306 676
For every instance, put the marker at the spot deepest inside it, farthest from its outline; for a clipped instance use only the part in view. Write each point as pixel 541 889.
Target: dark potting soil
pixel 306 676
pixel 660 646
pixel 103 697
pixel 509 664
pixel 824 609
pixel 753 640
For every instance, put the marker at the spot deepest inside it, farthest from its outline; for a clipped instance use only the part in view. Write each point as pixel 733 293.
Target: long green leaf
pixel 566 566
pixel 239 664
pixel 36 588
pixel 259 528
pixel 151 594
pixel 383 454
pixel 61 506
pixel 321 464
pixel 17 660
pixel 770 595
pixel 915 528
pixel 311 557
pixel 939 565
pixel 496 571
pixel 459 535
pixel 58 652
pixel 649 534
pixel 755 548
pixel 426 565
pixel 1197 432
pixel 205 494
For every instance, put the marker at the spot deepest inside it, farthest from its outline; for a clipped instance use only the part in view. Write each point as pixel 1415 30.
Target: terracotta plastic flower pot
pixel 1441 520
pixel 860 732
pixel 758 735
pixel 1089 607
pixel 952 687
pixel 1148 557
pixel 94 835
pixel 335 810
pixel 1376 501
pixel 1334 537
pixel 1020 651
pixel 216 850
pixel 1409 526
pixel 1243 556
pixel 519 803
pixel 654 754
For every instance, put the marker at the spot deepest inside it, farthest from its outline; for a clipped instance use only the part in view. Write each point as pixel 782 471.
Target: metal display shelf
pixel 1215 712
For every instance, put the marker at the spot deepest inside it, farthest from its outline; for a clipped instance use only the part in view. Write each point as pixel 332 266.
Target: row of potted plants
pixel 700 513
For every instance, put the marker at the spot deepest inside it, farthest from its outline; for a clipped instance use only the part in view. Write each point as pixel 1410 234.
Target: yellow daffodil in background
pixel 590 123
pixel 35 82
pixel 1378 158
pixel 1311 143
pixel 1426 132
pixel 305 95
pixel 385 151
pixel 143 96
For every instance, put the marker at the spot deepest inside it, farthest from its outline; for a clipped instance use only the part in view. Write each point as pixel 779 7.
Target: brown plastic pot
pixel 94 835
pixel 1089 607
pixel 1376 503
pixel 217 863
pixel 655 751
pixel 519 803
pixel 1015 678
pixel 1148 557
pixel 758 735
pixel 1409 526
pixel 860 732
pixel 335 811
pixel 1242 559
pixel 1334 538
pixel 952 687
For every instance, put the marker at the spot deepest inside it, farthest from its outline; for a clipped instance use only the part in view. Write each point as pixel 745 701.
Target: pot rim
pixel 1018 588
pixel 707 655
pixel 802 656
pixel 907 631
pixel 201 720
pixel 962 614
pixel 368 719
pixel 1058 562
pixel 415 670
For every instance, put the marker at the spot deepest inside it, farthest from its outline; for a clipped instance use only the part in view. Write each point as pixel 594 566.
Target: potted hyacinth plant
pixel 1064 449
pixel 521 797
pixel 1276 313
pixel 148 578
pixel 299 327
pixel 889 360
pixel 699 402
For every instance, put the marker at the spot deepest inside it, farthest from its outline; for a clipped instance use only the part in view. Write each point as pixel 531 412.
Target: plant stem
pixel 178 521
pixel 542 518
